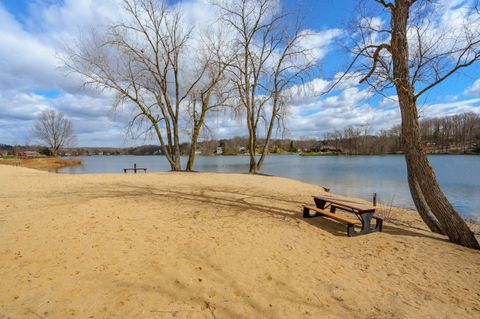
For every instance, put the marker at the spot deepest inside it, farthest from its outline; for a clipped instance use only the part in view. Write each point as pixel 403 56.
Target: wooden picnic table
pixel 135 169
pixel 364 213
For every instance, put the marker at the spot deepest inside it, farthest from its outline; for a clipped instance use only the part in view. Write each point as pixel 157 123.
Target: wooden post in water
pixel 135 168
pixel 374 199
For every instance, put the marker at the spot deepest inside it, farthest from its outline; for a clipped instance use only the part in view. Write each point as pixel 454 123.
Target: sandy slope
pixel 211 246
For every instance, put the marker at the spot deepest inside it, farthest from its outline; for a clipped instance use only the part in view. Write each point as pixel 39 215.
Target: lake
pixel 359 176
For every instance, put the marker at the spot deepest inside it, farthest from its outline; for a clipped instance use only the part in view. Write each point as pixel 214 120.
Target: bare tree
pixel 269 58
pixel 54 129
pixel 145 60
pixel 412 54
pixel 211 93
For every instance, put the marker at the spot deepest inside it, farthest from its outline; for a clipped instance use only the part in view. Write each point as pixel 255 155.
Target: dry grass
pixel 387 211
pixel 474 226
pixel 46 163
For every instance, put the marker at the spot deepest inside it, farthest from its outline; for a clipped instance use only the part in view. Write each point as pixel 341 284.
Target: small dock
pixel 135 169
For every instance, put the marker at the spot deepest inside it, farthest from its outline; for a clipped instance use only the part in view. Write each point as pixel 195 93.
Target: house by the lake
pixel 28 154
pixel 329 148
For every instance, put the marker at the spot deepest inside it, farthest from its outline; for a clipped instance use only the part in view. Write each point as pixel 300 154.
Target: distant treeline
pixel 83 151
pixel 449 134
pixel 6 147
pixel 111 151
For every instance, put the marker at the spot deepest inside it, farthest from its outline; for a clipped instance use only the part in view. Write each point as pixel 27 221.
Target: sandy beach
pixel 206 245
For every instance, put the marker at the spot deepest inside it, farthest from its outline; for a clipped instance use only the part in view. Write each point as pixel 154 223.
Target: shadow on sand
pixel 240 200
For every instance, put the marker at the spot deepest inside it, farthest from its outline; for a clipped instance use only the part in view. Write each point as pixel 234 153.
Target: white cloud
pixel 318 43
pixel 389 101
pixel 474 89
pixel 28 62
pixel 451 108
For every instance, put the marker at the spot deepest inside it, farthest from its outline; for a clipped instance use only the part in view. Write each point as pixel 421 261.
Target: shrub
pixel 45 151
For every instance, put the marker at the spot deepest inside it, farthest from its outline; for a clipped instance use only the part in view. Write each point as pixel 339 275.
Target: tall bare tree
pixel 213 92
pixel 269 58
pixel 54 129
pixel 145 59
pixel 413 54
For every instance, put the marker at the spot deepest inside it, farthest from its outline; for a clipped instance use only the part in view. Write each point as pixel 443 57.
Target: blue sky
pixel 17 7
pixel 33 35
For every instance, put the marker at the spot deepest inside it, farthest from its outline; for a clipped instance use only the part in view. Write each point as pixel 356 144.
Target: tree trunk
pixel 166 149
pixel 269 131
pixel 191 155
pixel 191 160
pixel 174 162
pixel 171 158
pixel 252 145
pixel 251 151
pixel 193 147
pixel 177 164
pixel 196 132
pixel 422 207
pixel 253 163
pixel 421 177
pixel 428 196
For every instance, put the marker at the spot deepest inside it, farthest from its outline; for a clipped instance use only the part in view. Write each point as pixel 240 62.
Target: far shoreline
pixel 42 163
pixel 274 154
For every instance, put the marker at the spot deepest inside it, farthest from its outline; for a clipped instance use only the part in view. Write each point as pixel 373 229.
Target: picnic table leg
pixel 319 203
pixel 378 223
pixel 366 220
pixel 306 213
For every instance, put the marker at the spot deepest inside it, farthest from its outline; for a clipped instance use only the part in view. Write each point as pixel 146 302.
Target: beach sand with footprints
pixel 208 245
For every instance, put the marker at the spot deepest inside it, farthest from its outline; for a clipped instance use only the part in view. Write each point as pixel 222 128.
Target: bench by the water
pixel 363 212
pixel 135 169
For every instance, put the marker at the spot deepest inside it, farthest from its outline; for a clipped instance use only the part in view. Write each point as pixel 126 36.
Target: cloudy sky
pixel 34 33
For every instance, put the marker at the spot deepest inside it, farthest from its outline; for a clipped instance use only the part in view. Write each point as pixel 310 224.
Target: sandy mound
pixel 177 245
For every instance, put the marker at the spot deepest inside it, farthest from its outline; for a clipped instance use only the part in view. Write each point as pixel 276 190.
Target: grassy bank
pixel 318 154
pixel 45 163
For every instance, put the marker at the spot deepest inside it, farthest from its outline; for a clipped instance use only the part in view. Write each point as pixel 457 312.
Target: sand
pixel 206 245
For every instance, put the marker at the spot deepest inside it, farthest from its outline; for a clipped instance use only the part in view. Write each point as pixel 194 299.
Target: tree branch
pixel 457 66
pixel 385 4
pixel 376 56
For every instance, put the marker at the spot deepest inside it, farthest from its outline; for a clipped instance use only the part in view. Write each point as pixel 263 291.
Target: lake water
pixel 359 176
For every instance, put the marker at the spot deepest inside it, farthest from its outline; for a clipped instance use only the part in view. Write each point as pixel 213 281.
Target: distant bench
pixel 135 169
pixel 364 212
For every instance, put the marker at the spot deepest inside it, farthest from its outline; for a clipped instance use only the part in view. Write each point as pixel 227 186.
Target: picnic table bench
pixel 135 169
pixel 364 213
